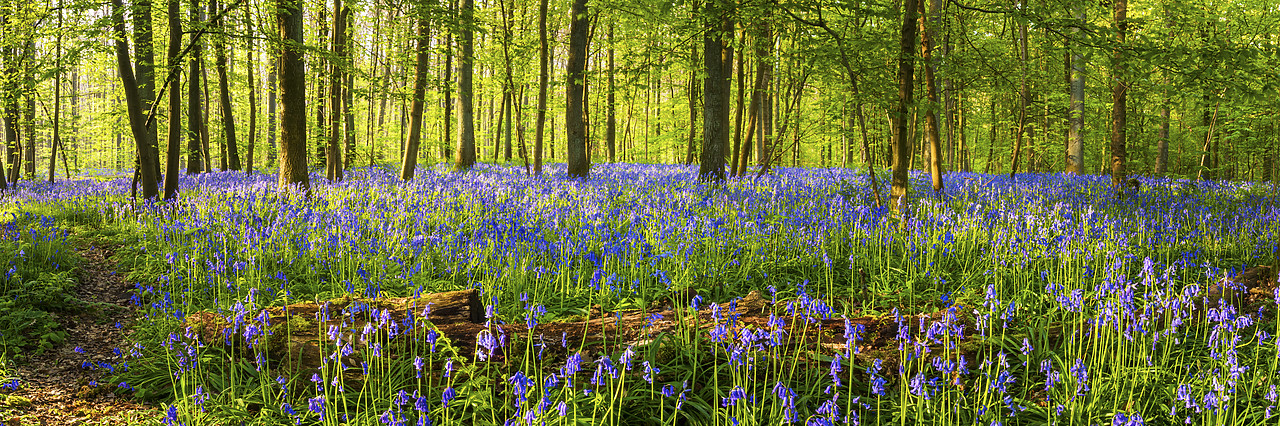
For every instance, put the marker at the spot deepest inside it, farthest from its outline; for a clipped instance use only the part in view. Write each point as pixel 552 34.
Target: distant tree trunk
pixel 1162 142
pixel 144 70
pixel 333 151
pixel 931 90
pixel 250 66
pixel 195 155
pixel 466 122
pixel 349 84
pixel 737 116
pixel 906 85
pixel 575 92
pixel 57 106
pixel 410 160
pixel 224 95
pixel 717 58
pixel 1075 129
pixel 1118 100
pixel 10 104
pixel 1024 96
pixel 29 150
pixel 293 118
pixel 174 153
pixel 447 139
pixel 611 122
pixel 137 121
pixel 541 120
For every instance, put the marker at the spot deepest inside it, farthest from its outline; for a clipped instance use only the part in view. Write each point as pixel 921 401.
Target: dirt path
pixel 58 387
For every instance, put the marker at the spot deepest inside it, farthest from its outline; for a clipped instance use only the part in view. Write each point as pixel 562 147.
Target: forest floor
pixel 63 385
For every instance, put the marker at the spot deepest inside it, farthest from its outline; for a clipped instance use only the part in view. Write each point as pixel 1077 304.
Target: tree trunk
pixel 133 101
pixel 541 120
pixel 1075 130
pixel 575 92
pixel 466 126
pixel 250 66
pixel 57 104
pixel 349 84
pixel 410 160
pixel 717 58
pixel 174 153
pixel 931 115
pixel 333 151
pixel 737 116
pixel 1024 97
pixel 224 96
pixel 195 157
pixel 1118 100
pixel 144 70
pixel 293 114
pixel 906 84
pixel 611 121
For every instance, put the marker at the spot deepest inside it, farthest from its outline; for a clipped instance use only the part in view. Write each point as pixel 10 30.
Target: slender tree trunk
pixel 57 101
pixel 611 122
pixel 293 114
pixel 349 84
pixel 133 101
pixel 447 140
pixel 1162 144
pixel 272 88
pixel 717 58
pixel 224 96
pixel 931 89
pixel 250 66
pixel 144 70
pixel 195 157
pixel 333 151
pixel 543 71
pixel 174 153
pixel 737 116
pixel 410 160
pixel 1075 130
pixel 575 92
pixel 1118 100
pixel 906 85
pixel 466 123
pixel 1024 97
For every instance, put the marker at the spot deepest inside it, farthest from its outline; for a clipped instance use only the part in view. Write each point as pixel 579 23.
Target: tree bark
pixel 250 66
pixel 293 118
pixel 931 115
pixel 224 95
pixel 906 85
pixel 575 93
pixel 174 153
pixel 1075 129
pixel 1119 99
pixel 466 120
pixel 541 120
pixel 333 151
pixel 410 161
pixel 195 157
pixel 133 101
pixel 717 58
pixel 1024 97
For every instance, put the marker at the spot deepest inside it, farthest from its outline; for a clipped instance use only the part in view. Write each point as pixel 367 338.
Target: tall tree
pixel 1024 93
pixel 293 118
pixel 250 67
pixel 137 121
pixel 410 160
pixel 333 152
pixel 1075 114
pixel 57 99
pixel 717 60
pixel 611 101
pixel 224 90
pixel 144 69
pixel 173 57
pixel 543 72
pixel 931 90
pixel 466 119
pixel 195 122
pixel 1119 98
pixel 906 85
pixel 575 92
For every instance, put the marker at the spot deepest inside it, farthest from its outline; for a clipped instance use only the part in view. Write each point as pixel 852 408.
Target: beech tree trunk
pixel 195 153
pixel 575 92
pixel 1119 100
pixel 333 151
pixel 173 156
pixel 717 58
pixel 133 102
pixel 224 96
pixel 906 86
pixel 293 114
pixel 466 119
pixel 931 117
